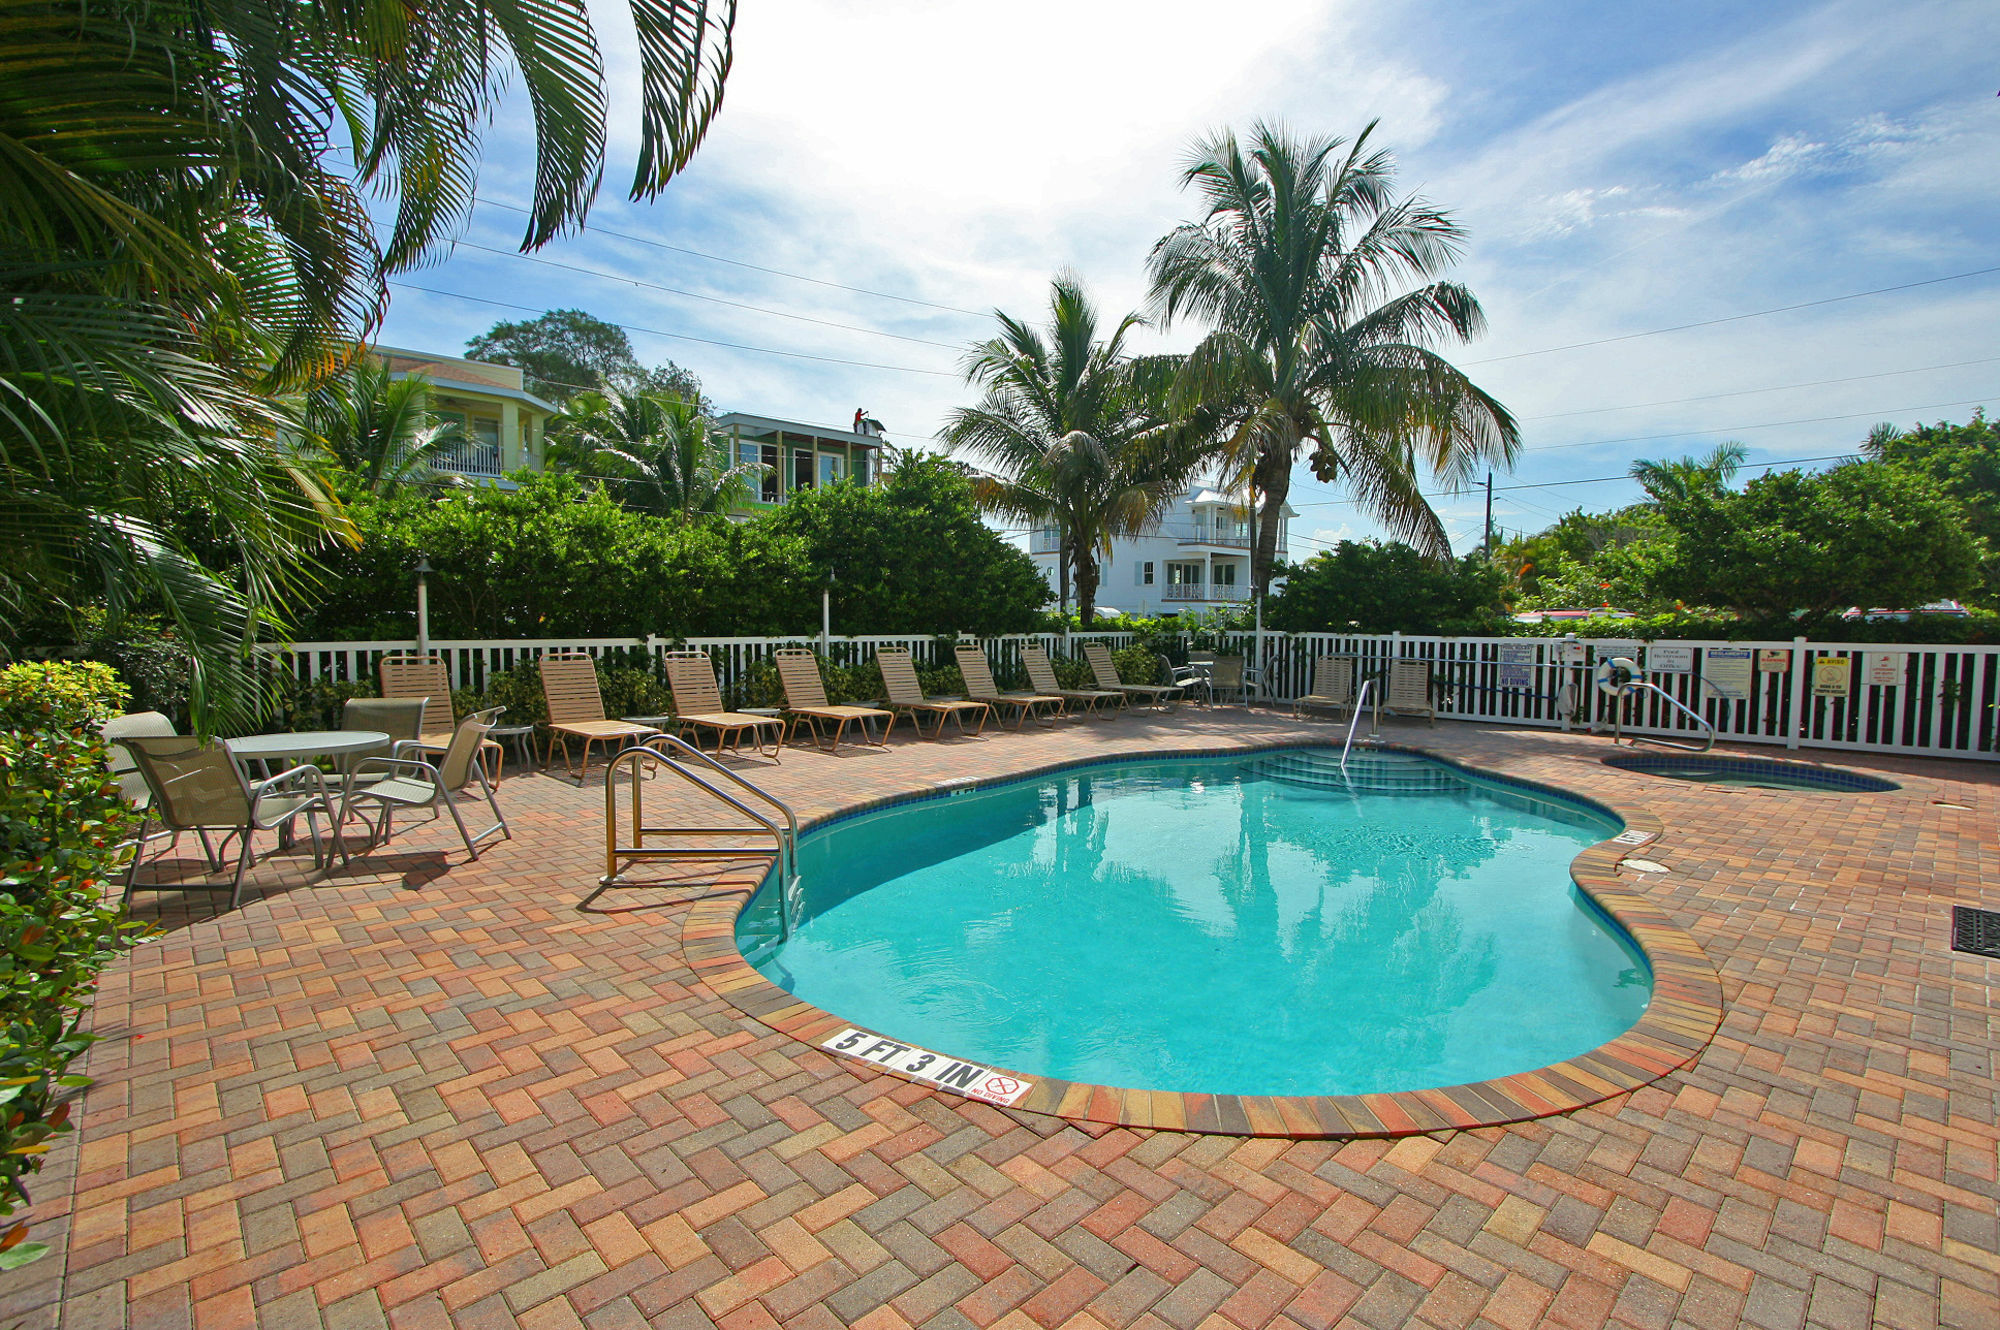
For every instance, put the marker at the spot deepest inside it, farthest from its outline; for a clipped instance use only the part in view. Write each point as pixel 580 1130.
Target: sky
pixel 883 175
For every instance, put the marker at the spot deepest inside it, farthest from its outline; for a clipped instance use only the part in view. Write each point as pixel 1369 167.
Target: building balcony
pixel 469 459
pixel 1196 591
pixel 1217 538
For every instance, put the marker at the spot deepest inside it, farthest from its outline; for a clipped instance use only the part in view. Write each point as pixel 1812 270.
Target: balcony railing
pixel 1196 591
pixel 469 459
pixel 1236 542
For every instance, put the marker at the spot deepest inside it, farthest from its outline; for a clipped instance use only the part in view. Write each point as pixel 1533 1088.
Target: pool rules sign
pixel 966 1078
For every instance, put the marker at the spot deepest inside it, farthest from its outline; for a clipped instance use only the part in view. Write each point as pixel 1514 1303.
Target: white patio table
pixel 303 745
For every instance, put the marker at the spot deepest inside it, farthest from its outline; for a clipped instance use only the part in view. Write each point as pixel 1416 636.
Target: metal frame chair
pixel 576 710
pixel 430 786
pixel 198 787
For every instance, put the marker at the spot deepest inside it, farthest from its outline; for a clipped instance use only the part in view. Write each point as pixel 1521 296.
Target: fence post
pixel 1801 680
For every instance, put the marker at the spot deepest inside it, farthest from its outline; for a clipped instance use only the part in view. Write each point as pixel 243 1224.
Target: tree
pixel 180 252
pixel 566 351
pixel 911 555
pixel 1794 543
pixel 378 430
pixel 1689 475
pixel 1965 460
pixel 1293 268
pixel 1077 432
pixel 672 459
pixel 1372 587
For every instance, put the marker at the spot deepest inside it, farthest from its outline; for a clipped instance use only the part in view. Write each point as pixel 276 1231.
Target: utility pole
pixel 1487 548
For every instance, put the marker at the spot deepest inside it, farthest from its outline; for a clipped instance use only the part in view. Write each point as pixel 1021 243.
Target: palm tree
pixel 375 428
pixel 1316 350
pixel 1077 432
pixel 184 240
pixel 673 460
pixel 1689 476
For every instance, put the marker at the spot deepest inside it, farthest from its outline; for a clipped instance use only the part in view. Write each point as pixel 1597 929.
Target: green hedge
pixel 62 824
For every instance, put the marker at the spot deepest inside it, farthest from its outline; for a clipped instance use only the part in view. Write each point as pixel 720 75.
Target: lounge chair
pixel 1163 696
pixel 1042 678
pixel 698 703
pixel 979 686
pixel 428 677
pixel 1410 690
pixel 1333 686
pixel 906 696
pixel 576 710
pixel 397 782
pixel 198 787
pixel 806 704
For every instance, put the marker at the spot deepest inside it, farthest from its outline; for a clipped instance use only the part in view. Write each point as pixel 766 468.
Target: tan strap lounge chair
pixel 428 677
pixel 1163 696
pixel 979 686
pixel 1410 690
pixel 198 787
pixel 1100 702
pixel 408 783
pixel 698 703
pixel 576 711
pixel 1333 686
pixel 806 704
pixel 906 696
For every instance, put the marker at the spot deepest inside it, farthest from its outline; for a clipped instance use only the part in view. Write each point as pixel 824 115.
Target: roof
pixel 766 424
pixel 1234 500
pixel 483 389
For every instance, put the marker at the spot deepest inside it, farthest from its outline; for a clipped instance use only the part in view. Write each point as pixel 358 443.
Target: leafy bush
pixel 63 822
pixel 1138 664
pixel 1372 587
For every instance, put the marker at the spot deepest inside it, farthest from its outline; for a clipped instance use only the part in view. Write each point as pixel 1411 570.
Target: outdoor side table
pixel 521 736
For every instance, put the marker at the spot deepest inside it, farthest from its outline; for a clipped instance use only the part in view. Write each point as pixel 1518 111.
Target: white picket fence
pixel 1931 700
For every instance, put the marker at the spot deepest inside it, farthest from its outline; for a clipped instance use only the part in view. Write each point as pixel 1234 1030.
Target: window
pixel 864 466
pixel 1225 574
pixel 802 471
pixel 830 467
pixel 1146 573
pixel 1183 574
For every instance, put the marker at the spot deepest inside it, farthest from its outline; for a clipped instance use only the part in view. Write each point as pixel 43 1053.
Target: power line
pixel 754 267
pixel 1735 318
pixel 686 337
pixel 1742 429
pixel 1752 392
pixel 695 295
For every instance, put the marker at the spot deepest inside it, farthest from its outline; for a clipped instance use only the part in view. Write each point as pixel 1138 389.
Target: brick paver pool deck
pixel 426 1092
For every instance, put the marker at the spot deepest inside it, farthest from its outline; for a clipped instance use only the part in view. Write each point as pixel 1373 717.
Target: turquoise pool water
pixel 1256 924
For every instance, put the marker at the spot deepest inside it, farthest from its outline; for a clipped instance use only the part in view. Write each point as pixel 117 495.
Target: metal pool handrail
pixel 667 751
pixel 1360 700
pixel 1617 720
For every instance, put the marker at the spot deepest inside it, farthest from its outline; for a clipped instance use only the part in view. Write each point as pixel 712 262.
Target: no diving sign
pixel 966 1078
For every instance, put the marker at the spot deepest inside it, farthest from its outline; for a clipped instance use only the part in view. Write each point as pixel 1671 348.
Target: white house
pixel 1198 558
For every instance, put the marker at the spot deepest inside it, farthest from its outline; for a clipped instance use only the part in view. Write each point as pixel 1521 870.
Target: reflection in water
pixel 1191 925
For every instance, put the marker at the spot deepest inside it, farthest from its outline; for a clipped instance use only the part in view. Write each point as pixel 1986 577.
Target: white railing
pixel 1931 700
pixel 468 459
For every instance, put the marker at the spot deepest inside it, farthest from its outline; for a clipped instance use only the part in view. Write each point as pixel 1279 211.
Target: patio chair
pixel 806 704
pixel 979 686
pixel 1099 702
pixel 407 676
pixel 1333 686
pixel 404 782
pixel 576 711
pixel 401 718
pixel 1163 696
pixel 1227 675
pixel 906 696
pixel 1194 679
pixel 1410 690
pixel 698 702
pixel 198 787
pixel 131 781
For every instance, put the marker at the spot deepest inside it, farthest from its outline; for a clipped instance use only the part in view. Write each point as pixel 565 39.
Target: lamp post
pixel 826 616
pixel 424 571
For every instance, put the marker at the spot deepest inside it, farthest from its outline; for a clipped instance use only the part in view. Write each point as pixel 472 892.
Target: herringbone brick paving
pixel 428 1092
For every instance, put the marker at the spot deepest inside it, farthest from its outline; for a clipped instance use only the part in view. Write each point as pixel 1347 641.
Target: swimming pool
pixel 1255 924
pixel 1751 773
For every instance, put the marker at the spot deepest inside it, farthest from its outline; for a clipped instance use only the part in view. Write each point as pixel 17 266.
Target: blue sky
pixel 1620 169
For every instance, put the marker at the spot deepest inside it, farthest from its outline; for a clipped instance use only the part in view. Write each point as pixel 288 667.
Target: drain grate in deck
pixel 1976 931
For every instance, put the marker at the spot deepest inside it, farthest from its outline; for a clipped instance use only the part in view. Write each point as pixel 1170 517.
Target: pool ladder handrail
pixel 671 752
pixel 1360 702
pixel 1618 720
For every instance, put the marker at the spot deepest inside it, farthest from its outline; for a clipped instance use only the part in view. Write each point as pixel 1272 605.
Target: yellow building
pixel 500 422
pixel 797 457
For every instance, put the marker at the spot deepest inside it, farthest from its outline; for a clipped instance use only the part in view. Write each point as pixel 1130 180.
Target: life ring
pixel 1615 677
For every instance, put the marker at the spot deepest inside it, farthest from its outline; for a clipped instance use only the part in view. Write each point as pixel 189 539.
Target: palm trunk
pixel 1062 570
pixel 1086 587
pixel 1273 477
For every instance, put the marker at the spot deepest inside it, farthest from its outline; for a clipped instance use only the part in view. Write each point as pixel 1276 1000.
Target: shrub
pixel 1138 664
pixel 63 824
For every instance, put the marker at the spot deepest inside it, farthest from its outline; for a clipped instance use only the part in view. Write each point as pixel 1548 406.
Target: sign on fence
pixel 1727 672
pixel 1517 666
pixel 1774 662
pixel 1831 676
pixel 1884 669
pixel 1670 658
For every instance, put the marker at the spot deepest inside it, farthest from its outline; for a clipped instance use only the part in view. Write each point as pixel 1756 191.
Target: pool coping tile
pixel 1679 1022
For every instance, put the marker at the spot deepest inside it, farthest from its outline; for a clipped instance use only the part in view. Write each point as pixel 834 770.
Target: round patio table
pixel 303 744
